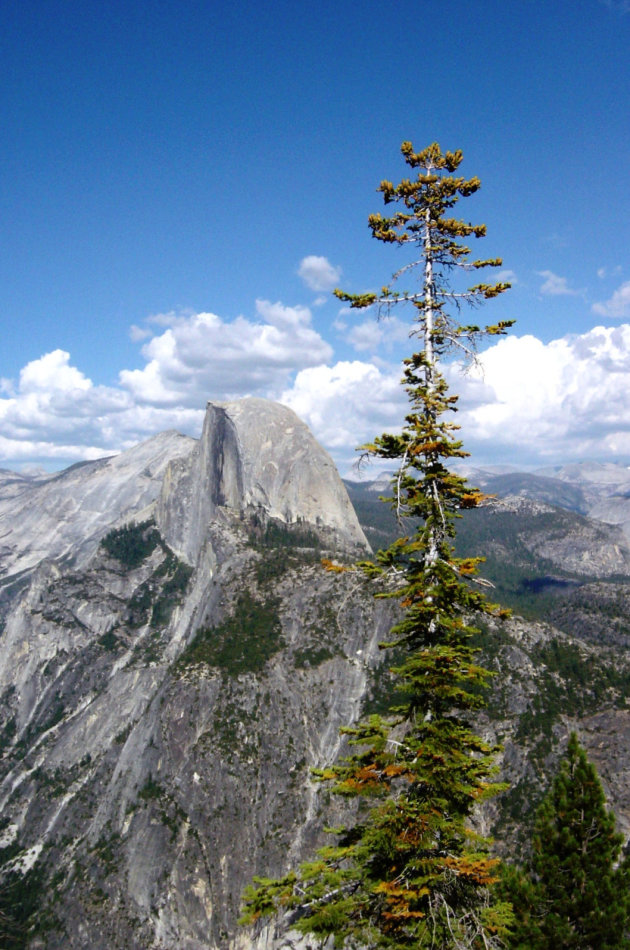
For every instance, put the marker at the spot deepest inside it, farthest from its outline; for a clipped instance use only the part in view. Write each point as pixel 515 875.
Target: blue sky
pixel 183 183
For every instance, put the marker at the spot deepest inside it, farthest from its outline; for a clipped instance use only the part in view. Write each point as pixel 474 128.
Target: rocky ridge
pixel 63 516
pixel 166 684
pixel 599 490
pixel 177 658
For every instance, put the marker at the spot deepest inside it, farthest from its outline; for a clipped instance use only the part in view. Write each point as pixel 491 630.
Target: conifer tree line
pixel 410 871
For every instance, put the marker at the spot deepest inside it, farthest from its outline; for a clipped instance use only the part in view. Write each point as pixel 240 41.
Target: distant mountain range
pixel 544 537
pixel 578 486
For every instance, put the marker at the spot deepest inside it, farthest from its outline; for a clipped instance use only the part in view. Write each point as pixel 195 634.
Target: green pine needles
pixel 410 871
pixel 574 893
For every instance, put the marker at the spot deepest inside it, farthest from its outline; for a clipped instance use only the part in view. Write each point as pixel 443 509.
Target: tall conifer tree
pixel 409 871
pixel 573 895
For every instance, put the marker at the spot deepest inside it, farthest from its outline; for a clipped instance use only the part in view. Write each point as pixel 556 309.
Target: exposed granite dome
pixel 254 455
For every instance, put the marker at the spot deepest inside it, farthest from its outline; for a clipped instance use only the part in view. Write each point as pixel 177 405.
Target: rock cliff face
pixel 174 659
pixel 253 456
pixel 166 685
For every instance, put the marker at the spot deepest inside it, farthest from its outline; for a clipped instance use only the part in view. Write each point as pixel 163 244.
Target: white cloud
pixel 73 419
pixel 17 450
pixel 52 372
pixel 529 403
pixel 138 334
pixel 283 317
pixel 556 286
pixel 54 411
pixel 318 273
pixel 539 402
pixel 347 404
pixel 366 336
pixel 534 402
pixel 202 356
pixel 618 306
pixel 375 334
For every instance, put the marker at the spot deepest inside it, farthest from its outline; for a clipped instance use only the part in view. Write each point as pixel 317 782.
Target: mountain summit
pixel 254 457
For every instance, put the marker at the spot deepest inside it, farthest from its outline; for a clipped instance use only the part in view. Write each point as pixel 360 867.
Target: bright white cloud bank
pixel 204 354
pixel 347 404
pixel 55 412
pixel 534 403
pixel 568 399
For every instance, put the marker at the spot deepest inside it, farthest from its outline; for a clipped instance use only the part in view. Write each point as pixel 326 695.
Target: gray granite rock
pixel 254 456
pixel 158 718
pixel 150 789
pixel 63 516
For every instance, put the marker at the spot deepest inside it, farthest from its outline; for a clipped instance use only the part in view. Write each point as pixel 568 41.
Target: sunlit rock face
pixel 147 778
pixel 63 516
pixel 253 456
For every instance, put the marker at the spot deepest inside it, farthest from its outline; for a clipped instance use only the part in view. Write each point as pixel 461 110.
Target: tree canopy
pixel 410 870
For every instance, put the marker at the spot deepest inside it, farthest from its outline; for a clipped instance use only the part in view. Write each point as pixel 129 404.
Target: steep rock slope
pixel 253 456
pixel 165 686
pixel 64 515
